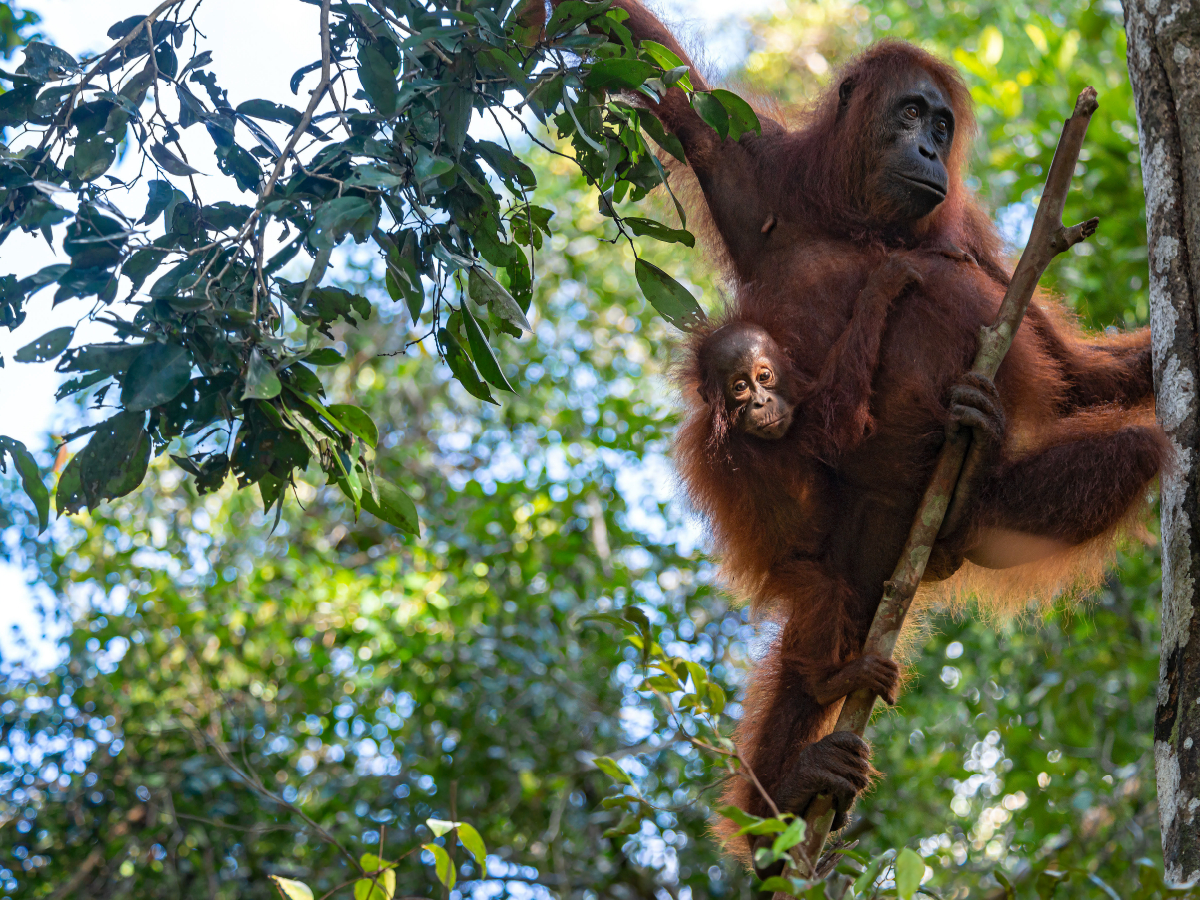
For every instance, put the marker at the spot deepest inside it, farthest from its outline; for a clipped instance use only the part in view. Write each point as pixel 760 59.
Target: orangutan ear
pixel 845 89
pixel 702 390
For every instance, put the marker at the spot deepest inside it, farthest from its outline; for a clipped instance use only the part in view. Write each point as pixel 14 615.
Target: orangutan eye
pixel 764 376
pixel 911 112
pixel 942 127
pixel 740 387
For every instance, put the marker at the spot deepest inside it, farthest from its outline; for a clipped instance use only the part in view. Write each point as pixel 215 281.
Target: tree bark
pixel 1164 67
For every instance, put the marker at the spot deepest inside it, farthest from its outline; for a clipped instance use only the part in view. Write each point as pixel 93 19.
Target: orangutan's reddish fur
pixel 810 526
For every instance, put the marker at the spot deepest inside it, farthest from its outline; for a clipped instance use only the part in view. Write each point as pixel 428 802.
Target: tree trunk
pixel 1164 66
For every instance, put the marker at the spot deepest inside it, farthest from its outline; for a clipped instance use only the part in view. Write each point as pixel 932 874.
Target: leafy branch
pixel 217 352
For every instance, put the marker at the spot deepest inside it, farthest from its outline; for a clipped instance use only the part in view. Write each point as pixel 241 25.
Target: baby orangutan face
pixel 748 365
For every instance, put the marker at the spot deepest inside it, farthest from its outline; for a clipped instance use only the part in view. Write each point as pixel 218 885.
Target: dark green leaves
pixel 272 112
pixel 31 478
pixel 158 373
pixel 47 63
pixel 712 112
pixel 742 118
pixel 670 298
pixel 378 79
pixel 462 367
pixel 356 216
pixel 205 341
pixel 659 231
pixel 48 346
pixel 111 465
pixel 482 353
pixel 356 421
pixel 394 507
pixel 261 381
pixel 487 291
pixel 728 114
pixel 618 73
pixel 169 161
pixel 161 194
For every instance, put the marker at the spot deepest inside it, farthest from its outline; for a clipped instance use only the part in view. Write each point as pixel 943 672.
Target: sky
pixel 248 68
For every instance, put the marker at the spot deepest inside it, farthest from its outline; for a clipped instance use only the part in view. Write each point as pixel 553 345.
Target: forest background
pixel 370 680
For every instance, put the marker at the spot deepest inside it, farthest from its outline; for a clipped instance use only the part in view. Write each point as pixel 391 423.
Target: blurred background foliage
pixel 230 700
pixel 16 27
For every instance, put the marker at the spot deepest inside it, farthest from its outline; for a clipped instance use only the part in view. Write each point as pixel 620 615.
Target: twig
pixel 314 101
pixel 1048 238
pixel 95 65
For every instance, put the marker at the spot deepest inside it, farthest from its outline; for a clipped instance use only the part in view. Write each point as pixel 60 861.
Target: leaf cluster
pixel 217 357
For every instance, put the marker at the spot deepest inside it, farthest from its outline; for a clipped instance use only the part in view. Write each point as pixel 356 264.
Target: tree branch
pixel 1048 238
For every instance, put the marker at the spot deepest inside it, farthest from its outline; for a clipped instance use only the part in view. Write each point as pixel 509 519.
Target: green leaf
pixel 378 80
pixel 292 890
pixel 462 367
pixel 864 881
pixel 169 161
pixel 482 354
pixel 716 698
pixel 474 843
pixel 742 117
pixel 764 826
pixel 261 381
pixel 94 156
pixel 430 166
pixel 68 495
pixel 394 507
pixel 570 15
pixel 910 869
pixel 440 827
pixel 506 165
pixel 48 346
pixel 375 177
pixel 1010 892
pixel 659 231
pixel 670 298
pixel 618 73
pixel 356 421
pixel 1048 881
pixel 325 356
pixel 661 54
pixel 31 478
pixel 487 291
pixel 334 219
pixel 662 137
pixel 114 461
pixel 791 836
pixel 157 374
pixel 160 196
pixel 610 768
pixel 272 112
pixel 628 825
pixel 712 112
pixel 738 816
pixel 382 883
pixel 442 865
pixel 779 884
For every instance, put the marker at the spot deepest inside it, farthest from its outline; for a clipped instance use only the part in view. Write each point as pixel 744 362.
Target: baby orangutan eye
pixel 740 387
pixel 764 376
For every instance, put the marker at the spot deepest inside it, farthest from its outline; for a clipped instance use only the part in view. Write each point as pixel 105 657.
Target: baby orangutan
pixel 790 515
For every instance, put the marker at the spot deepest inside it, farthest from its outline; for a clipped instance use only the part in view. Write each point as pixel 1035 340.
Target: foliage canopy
pixel 216 354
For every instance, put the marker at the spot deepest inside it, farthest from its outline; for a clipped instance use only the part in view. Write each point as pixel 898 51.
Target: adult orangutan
pixel 809 523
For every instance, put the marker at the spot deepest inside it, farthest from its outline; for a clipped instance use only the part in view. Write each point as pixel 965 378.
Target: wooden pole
pixel 1048 238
